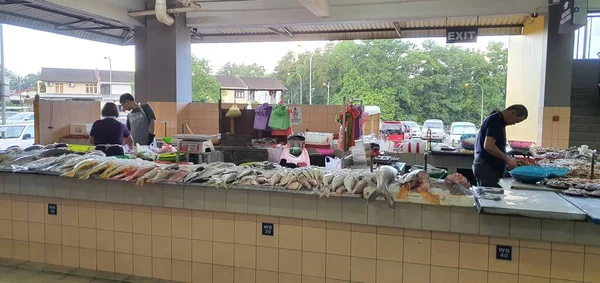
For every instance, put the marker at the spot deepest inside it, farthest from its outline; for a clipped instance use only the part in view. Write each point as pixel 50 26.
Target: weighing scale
pixel 194 146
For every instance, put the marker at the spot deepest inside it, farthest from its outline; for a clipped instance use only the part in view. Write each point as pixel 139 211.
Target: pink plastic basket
pixel 520 144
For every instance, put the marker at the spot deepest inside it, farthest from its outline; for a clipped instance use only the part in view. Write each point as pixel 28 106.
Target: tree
pixel 242 70
pixel 407 81
pixel 17 82
pixel 205 87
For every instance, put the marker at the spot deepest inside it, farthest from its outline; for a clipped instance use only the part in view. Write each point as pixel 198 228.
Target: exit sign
pixel 462 34
pixel 503 252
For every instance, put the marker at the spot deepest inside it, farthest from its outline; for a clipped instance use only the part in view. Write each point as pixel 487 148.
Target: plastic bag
pixel 333 163
pixel 233 112
pixel 280 118
pixel 359 156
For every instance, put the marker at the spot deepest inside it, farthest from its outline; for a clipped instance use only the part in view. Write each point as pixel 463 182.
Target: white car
pixel 436 127
pixel 415 129
pixel 458 129
pixel 21 118
pixel 17 136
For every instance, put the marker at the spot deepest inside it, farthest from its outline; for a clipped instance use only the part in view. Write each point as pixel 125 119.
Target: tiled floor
pixel 27 272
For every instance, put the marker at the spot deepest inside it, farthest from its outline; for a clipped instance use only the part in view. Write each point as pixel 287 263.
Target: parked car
pixel 10 114
pixel 395 132
pixel 16 136
pixel 436 127
pixel 458 129
pixel 415 129
pixel 21 118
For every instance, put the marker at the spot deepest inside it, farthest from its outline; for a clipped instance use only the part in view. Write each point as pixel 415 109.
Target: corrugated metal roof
pixel 47 17
pixel 488 26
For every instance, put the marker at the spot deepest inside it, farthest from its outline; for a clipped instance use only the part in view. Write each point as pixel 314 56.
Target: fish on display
pixel 384 177
pixel 128 172
pixel 55 152
pixel 98 168
pixel 38 164
pixel 148 175
pixel 83 165
pixel 162 175
pixel 178 176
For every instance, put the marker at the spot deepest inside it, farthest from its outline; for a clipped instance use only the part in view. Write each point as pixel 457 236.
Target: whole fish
pixel 83 165
pixel 274 180
pixel 178 176
pixel 191 177
pixel 359 187
pixel 161 176
pixel 125 174
pixel 140 172
pixel 55 152
pixel 217 182
pixel 229 178
pixel 349 182
pixel 149 174
pixel 40 163
pixel 22 160
pixel 68 165
pixel 384 176
pixel 98 168
pixel 110 168
pixel 338 181
pixel 328 178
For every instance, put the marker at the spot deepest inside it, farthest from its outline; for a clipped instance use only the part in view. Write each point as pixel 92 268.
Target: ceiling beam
pixel 286 33
pixel 398 29
pixel 318 7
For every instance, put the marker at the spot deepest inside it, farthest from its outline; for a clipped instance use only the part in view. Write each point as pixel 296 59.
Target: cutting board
pixel 531 203
pixel 591 206
pixel 510 183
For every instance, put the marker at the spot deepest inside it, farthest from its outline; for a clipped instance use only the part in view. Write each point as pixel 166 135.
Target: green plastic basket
pixel 434 173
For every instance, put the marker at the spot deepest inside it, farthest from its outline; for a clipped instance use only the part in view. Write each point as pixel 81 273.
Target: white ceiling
pixel 276 20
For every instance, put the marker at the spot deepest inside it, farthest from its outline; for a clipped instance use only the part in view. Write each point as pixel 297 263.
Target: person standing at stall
pixel 108 134
pixel 140 121
pixel 490 146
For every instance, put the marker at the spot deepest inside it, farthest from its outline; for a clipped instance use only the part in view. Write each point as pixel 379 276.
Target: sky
pixel 27 51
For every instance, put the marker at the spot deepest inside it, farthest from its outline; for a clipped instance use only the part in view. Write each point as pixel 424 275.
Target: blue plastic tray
pixel 529 174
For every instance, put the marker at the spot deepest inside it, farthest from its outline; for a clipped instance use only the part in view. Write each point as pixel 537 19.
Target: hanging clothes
pixel 285 132
pixel 261 117
pixel 280 118
pixel 357 127
pixel 352 115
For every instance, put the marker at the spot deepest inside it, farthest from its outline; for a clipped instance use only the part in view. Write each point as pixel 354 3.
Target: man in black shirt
pixel 490 146
pixel 140 121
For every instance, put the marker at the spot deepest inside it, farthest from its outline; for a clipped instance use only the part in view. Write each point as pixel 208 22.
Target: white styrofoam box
pixel 80 129
pixel 318 138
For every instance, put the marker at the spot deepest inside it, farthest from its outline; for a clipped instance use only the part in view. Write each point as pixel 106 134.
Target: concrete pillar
pixel 163 62
pixel 163 75
pixel 557 92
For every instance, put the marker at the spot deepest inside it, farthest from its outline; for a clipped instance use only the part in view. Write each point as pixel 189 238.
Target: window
pixel 29 131
pixel 587 39
pixel 239 94
pixel 58 88
pixel 91 88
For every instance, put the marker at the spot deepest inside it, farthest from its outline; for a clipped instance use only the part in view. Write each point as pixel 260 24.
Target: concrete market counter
pixel 202 234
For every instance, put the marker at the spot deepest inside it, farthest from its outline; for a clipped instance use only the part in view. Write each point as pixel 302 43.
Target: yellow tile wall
pixel 201 246
pixel 556 133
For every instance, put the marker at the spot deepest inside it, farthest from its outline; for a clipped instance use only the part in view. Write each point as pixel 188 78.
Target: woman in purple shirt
pixel 108 134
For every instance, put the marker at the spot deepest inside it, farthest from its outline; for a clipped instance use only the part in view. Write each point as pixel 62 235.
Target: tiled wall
pixel 56 116
pixel 202 246
pixel 556 133
pixel 203 118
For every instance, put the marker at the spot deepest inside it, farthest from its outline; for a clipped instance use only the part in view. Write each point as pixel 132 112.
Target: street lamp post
pixel 109 77
pixel 327 84
pixel 299 76
pixel 477 84
pixel 312 54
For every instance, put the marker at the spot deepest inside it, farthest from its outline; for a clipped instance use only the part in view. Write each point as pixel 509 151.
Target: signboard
pixel 503 252
pixel 573 15
pixel 461 34
pixel 296 117
pixel 268 229
pixel 52 209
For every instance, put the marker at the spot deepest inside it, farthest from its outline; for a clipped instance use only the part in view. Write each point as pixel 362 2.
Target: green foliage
pixel 205 87
pixel 242 70
pixel 407 81
pixel 30 80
